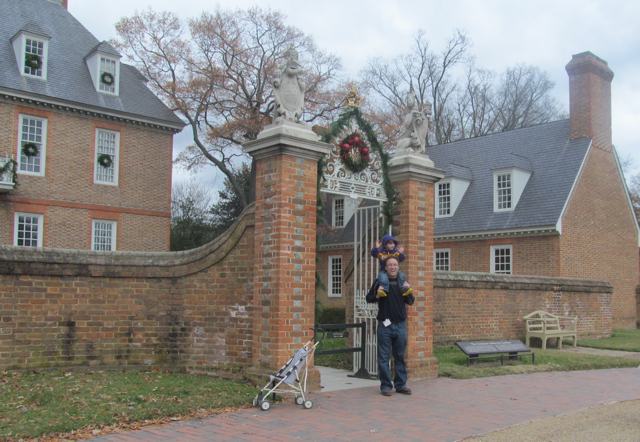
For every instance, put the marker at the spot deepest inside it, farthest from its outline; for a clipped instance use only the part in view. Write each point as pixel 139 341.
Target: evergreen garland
pixel 390 190
pixel 10 165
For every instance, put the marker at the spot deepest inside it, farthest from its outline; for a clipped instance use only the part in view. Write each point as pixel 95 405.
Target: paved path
pixel 439 410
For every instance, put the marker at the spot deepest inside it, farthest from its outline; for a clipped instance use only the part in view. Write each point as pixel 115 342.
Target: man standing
pixel 392 329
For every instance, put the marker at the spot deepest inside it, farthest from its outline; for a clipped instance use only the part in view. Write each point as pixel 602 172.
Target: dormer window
pixel 451 189
pixel 104 65
pixel 510 176
pixel 34 57
pixel 508 185
pixel 503 191
pixel 31 47
pixel 338 212
pixel 107 75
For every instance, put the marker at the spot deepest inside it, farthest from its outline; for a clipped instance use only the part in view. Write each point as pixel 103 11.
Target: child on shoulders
pixel 384 249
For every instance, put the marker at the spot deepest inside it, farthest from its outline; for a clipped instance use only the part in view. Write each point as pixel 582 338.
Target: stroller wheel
pixel 265 405
pixel 299 400
pixel 308 404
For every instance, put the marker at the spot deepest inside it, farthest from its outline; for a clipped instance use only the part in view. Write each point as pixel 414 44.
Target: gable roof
pixel 68 77
pixel 544 149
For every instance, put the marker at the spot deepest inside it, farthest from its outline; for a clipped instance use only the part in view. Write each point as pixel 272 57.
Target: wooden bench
pixel 543 325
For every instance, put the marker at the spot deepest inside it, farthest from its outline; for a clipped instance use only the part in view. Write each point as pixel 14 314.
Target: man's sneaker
pixel 386 392
pixel 403 391
pixel 406 291
pixel 382 292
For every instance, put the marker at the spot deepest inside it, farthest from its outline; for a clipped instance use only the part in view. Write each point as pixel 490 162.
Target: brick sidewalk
pixel 439 410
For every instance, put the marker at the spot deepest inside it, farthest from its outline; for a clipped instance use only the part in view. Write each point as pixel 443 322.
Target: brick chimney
pixel 590 99
pixel 61 2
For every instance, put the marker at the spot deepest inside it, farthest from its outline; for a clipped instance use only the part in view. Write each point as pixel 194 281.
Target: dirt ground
pixel 618 422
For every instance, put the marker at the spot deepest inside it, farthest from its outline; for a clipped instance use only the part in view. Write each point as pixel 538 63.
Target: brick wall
pixel 184 310
pixel 347 280
pixel 67 194
pixel 532 255
pixel 479 306
pixel 599 238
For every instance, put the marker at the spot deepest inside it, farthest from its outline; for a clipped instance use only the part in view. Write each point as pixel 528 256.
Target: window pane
pixel 109 66
pixel 442 260
pixel 504 191
pixel 338 213
pixel 336 276
pixel 103 236
pixel 31 131
pixel 27 231
pixel 37 48
pixel 444 199
pixel 106 144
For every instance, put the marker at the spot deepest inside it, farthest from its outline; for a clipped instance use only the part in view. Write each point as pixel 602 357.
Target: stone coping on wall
pixel 518 282
pixel 66 262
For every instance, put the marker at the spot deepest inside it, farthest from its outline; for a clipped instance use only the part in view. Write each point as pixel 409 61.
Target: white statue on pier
pixel 416 125
pixel 288 88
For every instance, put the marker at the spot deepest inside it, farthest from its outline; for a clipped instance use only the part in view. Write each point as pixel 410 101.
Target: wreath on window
pixel 108 78
pixel 105 160
pixel 33 61
pixel 30 149
pixel 355 152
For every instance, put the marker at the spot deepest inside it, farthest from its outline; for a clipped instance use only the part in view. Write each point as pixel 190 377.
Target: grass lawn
pixel 49 403
pixel 340 360
pixel 74 404
pixel 452 363
pixel 622 339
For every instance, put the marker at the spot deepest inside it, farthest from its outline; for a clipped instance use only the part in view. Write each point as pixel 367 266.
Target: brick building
pixel 547 200
pixel 93 144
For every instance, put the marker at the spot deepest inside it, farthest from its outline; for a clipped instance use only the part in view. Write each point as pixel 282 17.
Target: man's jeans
pixel 383 279
pixel 392 339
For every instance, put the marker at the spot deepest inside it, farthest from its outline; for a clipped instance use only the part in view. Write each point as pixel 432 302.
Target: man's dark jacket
pixel 392 306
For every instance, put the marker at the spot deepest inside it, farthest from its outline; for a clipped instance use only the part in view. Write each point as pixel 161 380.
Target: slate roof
pixel 544 149
pixel 339 235
pixel 68 78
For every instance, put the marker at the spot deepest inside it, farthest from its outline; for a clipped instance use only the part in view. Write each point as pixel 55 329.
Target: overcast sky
pixel 504 33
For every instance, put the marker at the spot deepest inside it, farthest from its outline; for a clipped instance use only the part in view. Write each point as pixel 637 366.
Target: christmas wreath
pixel 355 152
pixel 107 78
pixel 33 61
pixel 30 149
pixel 105 160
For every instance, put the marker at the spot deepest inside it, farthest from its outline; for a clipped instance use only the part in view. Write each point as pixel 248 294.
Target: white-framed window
pixel 108 72
pixel 32 145
pixel 32 53
pixel 28 228
pixel 502 186
pixel 338 212
pixel 107 148
pixel 444 198
pixel 502 259
pixel 103 235
pixel 442 259
pixel 335 276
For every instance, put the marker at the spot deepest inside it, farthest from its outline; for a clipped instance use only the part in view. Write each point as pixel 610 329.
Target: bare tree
pixel 215 72
pixel 477 103
pixel 523 99
pixel 386 83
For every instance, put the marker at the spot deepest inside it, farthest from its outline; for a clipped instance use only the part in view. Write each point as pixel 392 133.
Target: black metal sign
pixel 488 347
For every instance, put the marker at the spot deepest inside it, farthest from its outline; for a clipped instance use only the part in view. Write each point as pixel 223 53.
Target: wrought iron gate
pixel 368 227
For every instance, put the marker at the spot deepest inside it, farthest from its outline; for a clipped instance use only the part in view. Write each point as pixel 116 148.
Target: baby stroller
pixel 288 379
